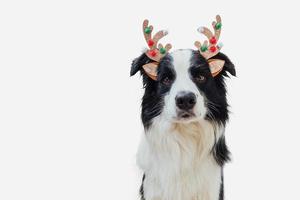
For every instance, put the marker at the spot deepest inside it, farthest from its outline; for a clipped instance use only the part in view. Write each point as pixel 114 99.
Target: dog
pixel 184 113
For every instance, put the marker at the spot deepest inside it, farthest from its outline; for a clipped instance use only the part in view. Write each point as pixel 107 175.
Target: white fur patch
pixel 178 163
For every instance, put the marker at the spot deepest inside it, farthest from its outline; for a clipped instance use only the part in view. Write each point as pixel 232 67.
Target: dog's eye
pixel 166 81
pixel 200 79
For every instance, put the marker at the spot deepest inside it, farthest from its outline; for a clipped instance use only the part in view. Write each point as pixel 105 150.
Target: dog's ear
pixel 221 62
pixel 138 63
pixel 151 70
pixel 148 67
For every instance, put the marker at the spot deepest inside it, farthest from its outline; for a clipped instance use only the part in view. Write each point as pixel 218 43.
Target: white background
pixel 70 114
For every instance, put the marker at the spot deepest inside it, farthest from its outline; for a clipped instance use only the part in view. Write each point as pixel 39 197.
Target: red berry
pixel 152 53
pixel 150 43
pixel 213 49
pixel 213 40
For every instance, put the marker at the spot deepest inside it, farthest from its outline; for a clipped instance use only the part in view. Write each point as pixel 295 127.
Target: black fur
pixel 142 188
pixel 152 102
pixel 221 152
pixel 214 89
pixel 221 193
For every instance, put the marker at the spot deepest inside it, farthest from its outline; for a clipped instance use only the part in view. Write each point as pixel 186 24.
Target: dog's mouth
pixel 185 115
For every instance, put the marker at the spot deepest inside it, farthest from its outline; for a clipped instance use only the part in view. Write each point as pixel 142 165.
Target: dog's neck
pixel 195 138
pixel 179 157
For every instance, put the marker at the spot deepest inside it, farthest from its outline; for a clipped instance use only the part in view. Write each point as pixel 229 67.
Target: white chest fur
pixel 178 162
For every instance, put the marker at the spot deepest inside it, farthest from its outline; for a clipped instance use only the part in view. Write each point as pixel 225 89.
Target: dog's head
pixel 184 86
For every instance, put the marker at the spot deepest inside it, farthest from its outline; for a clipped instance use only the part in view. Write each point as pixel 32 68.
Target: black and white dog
pixel 184 113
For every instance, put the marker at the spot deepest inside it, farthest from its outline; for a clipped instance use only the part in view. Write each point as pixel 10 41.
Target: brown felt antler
pixel 155 52
pixel 210 48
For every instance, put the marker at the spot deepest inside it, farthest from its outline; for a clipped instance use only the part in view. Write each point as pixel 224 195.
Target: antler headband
pixel 208 49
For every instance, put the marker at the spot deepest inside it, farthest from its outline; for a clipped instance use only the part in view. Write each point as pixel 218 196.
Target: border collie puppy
pixel 184 113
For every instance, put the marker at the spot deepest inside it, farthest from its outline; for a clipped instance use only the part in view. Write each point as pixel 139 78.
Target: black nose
pixel 185 100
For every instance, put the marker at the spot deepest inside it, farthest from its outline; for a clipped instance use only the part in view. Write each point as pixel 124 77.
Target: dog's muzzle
pixel 185 102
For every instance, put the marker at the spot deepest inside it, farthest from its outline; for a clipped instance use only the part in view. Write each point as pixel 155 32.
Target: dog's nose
pixel 185 100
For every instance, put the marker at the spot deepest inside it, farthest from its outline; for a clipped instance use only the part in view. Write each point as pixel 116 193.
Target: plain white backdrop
pixel 70 114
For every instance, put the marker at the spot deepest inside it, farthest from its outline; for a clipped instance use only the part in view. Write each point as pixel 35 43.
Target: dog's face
pixel 185 90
